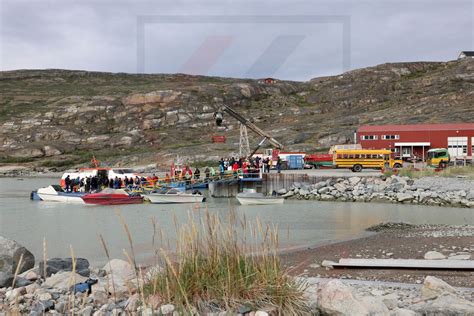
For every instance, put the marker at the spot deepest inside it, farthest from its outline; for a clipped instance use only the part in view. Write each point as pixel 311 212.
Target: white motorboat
pixel 54 193
pixel 167 196
pixel 253 198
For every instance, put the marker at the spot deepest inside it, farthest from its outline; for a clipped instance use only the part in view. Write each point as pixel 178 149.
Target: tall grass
pixel 223 265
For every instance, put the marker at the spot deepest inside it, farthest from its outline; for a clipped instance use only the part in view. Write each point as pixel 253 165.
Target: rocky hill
pixel 59 118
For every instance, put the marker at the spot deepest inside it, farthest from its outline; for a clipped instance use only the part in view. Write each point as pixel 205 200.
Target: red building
pixel 413 141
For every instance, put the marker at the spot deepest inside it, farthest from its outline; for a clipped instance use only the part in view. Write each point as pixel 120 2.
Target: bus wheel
pixel 397 166
pixel 357 168
pixel 442 164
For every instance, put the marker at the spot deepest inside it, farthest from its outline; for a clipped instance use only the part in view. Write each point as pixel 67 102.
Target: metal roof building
pixel 412 141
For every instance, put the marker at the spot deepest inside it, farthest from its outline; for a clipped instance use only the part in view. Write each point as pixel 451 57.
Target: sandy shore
pixel 403 242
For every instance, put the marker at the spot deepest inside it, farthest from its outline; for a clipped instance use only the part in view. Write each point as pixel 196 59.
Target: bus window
pixel 339 156
pixel 357 156
pixel 345 156
pixel 351 156
pixel 387 157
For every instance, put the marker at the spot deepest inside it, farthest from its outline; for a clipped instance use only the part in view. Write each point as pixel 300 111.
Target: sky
pixel 287 39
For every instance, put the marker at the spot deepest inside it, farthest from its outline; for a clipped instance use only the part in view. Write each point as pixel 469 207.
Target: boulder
pixel 167 309
pixel 288 194
pixel 390 300
pixel 324 190
pixel 445 304
pixel 6 271
pixel 460 257
pixel 340 187
pixel 65 264
pixel 374 305
pixel 433 287
pixel 120 268
pixel 319 185
pixel 404 197
pixel 335 298
pixel 304 192
pixel 354 180
pixel 434 255
pixel 121 279
pixel 402 312
pixel 10 254
pixel 51 151
pixel 63 280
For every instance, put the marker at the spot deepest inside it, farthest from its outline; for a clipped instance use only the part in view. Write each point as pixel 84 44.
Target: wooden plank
pixel 444 264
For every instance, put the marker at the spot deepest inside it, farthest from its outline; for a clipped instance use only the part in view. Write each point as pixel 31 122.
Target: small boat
pixel 254 198
pixel 54 193
pixel 113 197
pixel 167 196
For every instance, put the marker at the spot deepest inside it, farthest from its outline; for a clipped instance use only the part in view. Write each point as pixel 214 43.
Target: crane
pixel 248 124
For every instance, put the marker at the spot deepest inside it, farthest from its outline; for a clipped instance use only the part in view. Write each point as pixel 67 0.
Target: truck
pixel 318 161
pixel 438 158
pixel 289 159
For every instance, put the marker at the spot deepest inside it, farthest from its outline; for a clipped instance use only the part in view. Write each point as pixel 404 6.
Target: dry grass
pixel 223 265
pixel 449 172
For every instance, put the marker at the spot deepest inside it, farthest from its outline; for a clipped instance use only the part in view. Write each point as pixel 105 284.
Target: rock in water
pixel 10 254
pixel 434 255
pixel 433 287
pixel 335 298
pixel 65 264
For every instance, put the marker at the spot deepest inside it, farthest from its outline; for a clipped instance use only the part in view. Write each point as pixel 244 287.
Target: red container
pixel 218 139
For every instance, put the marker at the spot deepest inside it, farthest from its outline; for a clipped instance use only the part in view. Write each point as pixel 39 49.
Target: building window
pixel 387 137
pixel 369 137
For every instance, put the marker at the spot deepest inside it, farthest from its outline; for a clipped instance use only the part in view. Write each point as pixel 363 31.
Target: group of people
pixel 248 167
pixel 96 183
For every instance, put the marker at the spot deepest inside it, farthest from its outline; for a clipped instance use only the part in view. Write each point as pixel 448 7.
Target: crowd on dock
pixel 227 168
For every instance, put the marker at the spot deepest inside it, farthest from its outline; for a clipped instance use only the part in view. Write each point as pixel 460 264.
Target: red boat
pixel 112 197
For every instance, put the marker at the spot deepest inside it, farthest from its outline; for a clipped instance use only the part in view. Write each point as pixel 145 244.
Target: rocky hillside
pixel 58 118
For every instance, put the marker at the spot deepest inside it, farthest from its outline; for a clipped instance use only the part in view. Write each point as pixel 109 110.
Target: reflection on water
pixel 309 223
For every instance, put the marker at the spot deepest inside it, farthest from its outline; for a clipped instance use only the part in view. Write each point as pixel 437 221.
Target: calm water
pixel 309 223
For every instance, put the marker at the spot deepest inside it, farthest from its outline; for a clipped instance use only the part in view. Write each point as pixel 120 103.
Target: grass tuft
pixel 222 265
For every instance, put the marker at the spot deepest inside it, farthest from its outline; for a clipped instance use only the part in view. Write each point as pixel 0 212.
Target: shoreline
pixel 410 242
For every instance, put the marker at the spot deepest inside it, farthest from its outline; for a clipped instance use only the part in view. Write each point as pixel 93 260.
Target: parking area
pixel 335 172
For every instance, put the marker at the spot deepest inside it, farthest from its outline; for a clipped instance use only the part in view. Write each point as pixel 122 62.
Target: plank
pixel 444 264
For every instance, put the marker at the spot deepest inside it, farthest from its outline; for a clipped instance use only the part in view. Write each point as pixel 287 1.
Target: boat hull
pixel 260 201
pixel 174 198
pixel 48 194
pixel 111 199
pixel 253 198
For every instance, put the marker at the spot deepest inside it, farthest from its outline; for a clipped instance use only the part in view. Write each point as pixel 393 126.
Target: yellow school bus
pixel 358 159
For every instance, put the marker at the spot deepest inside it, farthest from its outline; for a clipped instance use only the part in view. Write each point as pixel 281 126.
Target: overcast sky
pixel 288 39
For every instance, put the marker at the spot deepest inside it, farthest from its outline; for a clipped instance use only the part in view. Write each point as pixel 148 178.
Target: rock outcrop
pixel 52 117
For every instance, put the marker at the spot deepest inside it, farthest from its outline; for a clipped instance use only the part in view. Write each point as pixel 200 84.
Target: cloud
pixel 103 35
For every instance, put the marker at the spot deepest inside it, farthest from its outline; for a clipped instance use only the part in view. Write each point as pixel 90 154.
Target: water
pixel 309 222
